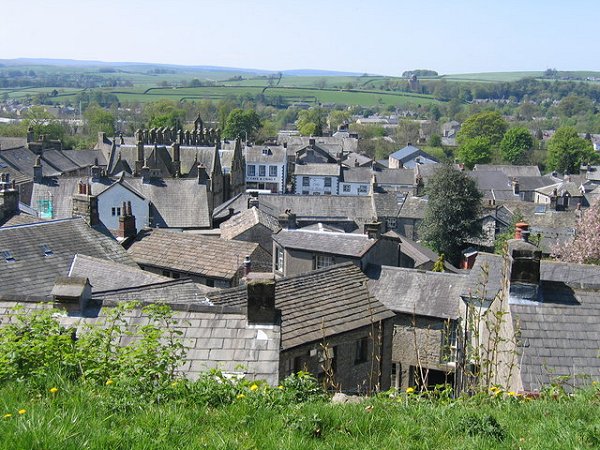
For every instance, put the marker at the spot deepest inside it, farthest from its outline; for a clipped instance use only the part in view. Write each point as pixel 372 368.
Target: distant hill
pixel 173 67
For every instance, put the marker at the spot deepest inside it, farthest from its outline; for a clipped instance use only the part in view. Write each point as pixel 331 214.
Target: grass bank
pixel 77 416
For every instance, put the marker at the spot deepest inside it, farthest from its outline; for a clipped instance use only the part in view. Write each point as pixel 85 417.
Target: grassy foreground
pixel 76 416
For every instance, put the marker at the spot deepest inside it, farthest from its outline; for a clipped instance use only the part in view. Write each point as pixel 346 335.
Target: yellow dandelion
pixel 22 411
pixel 410 390
pixel 240 396
pixel 7 416
pixel 174 384
pixel 254 387
pixel 280 387
pixel 512 394
pixel 109 382
pixel 53 390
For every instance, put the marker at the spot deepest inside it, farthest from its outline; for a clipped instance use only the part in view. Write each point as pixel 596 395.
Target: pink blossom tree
pixel 584 248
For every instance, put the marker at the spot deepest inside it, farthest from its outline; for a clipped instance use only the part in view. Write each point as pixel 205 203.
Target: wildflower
pixel 174 384
pixel 410 390
pixel 280 387
pixel 7 416
pixel 22 411
pixel 109 382
pixel 512 394
pixel 53 390
pixel 240 396
pixel 254 387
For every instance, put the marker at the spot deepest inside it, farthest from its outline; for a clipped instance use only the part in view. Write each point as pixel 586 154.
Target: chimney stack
pixel 145 173
pixel 202 174
pixel 524 266
pixel 126 222
pixel 247 265
pixel 373 230
pixel 261 302
pixel 96 171
pixel 37 170
pixel 287 220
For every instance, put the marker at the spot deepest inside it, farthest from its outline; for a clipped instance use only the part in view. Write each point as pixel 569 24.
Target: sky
pixel 376 37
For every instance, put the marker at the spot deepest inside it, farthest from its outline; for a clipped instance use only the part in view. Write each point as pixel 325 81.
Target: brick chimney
pixel 524 259
pixel 261 302
pixel 126 222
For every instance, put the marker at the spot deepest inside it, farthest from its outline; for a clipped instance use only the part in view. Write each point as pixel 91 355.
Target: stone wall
pixel 350 375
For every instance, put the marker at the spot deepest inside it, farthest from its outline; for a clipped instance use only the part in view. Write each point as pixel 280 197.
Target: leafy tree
pixel 451 216
pixel 407 131
pixel 311 122
pixel 584 248
pixel 489 125
pixel 336 118
pixel 164 113
pixel 567 151
pixel 44 123
pixel 242 124
pixel 435 140
pixel 475 151
pixel 515 144
pixel 573 105
pixel 99 119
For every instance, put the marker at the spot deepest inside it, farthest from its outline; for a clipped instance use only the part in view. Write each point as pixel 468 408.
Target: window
pixel 346 188
pixel 272 171
pixel 323 261
pixel 279 259
pixel 251 170
pixel 305 181
pixel 327 181
pixel 116 211
pixel 450 344
pixel 304 192
pixel 363 189
pixel 8 257
pixel 46 250
pixel 361 352
pixel 390 223
pixel 262 171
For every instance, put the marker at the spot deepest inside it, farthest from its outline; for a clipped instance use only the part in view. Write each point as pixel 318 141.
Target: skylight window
pixel 46 250
pixel 7 255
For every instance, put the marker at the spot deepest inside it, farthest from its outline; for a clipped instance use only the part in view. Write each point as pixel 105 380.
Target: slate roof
pixel 34 270
pixel 356 208
pixel 256 155
pixel 417 252
pixel 413 207
pixel 317 305
pixel 176 202
pixel 327 170
pixel 405 153
pixel 191 253
pixel 493 184
pixel 398 177
pixel 170 291
pixel 562 187
pixel 245 220
pixel 353 158
pixel 106 275
pixel 510 170
pixel 533 183
pixel 417 292
pixel 352 245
